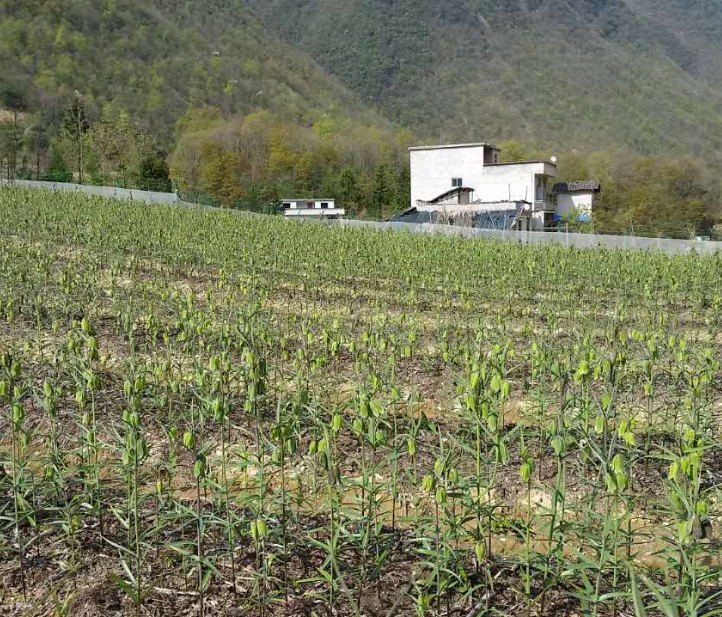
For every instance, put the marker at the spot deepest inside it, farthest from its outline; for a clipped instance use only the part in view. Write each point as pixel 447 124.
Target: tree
pixel 403 189
pixel 349 192
pixel 186 162
pixel 58 170
pixel 514 151
pixel 307 173
pixel 11 135
pixel 75 127
pixel 133 145
pixel 220 174
pixel 575 220
pixel 120 147
pixel 197 119
pixel 154 173
pixel 281 160
pixel 38 142
pixel 7 151
pixel 253 143
pixel 101 139
pixel 382 195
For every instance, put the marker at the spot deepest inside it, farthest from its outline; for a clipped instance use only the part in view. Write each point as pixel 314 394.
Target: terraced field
pixel 203 413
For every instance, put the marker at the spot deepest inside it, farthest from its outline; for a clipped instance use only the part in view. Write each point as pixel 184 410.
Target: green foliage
pixel 220 174
pixel 57 169
pixel 154 173
pixel 121 148
pixel 156 59
pixel 74 129
pixel 515 151
pixel 111 83
pixel 580 74
pixel 216 406
pixel 257 159
pixel 665 197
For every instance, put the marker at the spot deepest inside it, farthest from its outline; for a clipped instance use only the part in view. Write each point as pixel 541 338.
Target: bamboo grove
pixel 210 413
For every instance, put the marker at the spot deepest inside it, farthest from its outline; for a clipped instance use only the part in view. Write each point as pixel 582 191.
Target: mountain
pixel 641 74
pixel 155 59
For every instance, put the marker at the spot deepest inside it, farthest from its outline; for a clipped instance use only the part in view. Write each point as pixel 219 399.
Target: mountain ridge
pixel 581 73
pixel 639 75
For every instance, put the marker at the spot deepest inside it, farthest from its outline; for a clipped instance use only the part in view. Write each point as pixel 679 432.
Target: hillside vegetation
pixel 635 73
pixel 154 59
pixel 645 75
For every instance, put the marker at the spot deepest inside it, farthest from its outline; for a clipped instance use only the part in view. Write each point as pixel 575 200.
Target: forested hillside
pixel 636 73
pixel 154 59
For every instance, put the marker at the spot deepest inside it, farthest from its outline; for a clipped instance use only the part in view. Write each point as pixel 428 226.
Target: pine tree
pixel 57 168
pixel 349 192
pixel 382 195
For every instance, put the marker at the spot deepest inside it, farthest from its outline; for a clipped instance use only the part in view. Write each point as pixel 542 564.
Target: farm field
pixel 204 413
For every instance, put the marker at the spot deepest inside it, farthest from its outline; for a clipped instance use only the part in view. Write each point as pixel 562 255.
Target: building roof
pixel 578 185
pixel 457 190
pixel 451 146
pixel 537 162
pixel 480 202
pixel 307 199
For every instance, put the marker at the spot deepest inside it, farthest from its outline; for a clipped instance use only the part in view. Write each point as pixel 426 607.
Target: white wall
pixel 507 183
pixel 296 205
pixel 432 170
pixel 314 212
pixel 581 200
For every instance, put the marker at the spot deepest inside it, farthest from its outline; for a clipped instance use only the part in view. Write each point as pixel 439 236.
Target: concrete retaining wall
pixel 538 237
pixel 103 191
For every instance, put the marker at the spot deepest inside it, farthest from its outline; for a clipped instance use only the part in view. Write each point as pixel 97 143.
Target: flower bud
pixel 411 446
pixel 336 423
pixel 480 550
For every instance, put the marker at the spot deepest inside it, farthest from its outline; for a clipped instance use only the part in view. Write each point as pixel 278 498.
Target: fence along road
pixel 582 241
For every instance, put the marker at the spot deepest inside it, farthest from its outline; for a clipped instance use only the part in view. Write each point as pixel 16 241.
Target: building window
pixel 457 182
pixel 311 205
pixel 324 204
pixel 286 205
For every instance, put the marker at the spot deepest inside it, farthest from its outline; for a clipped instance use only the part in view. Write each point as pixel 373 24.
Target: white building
pixel 576 199
pixel 475 167
pixel 311 208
